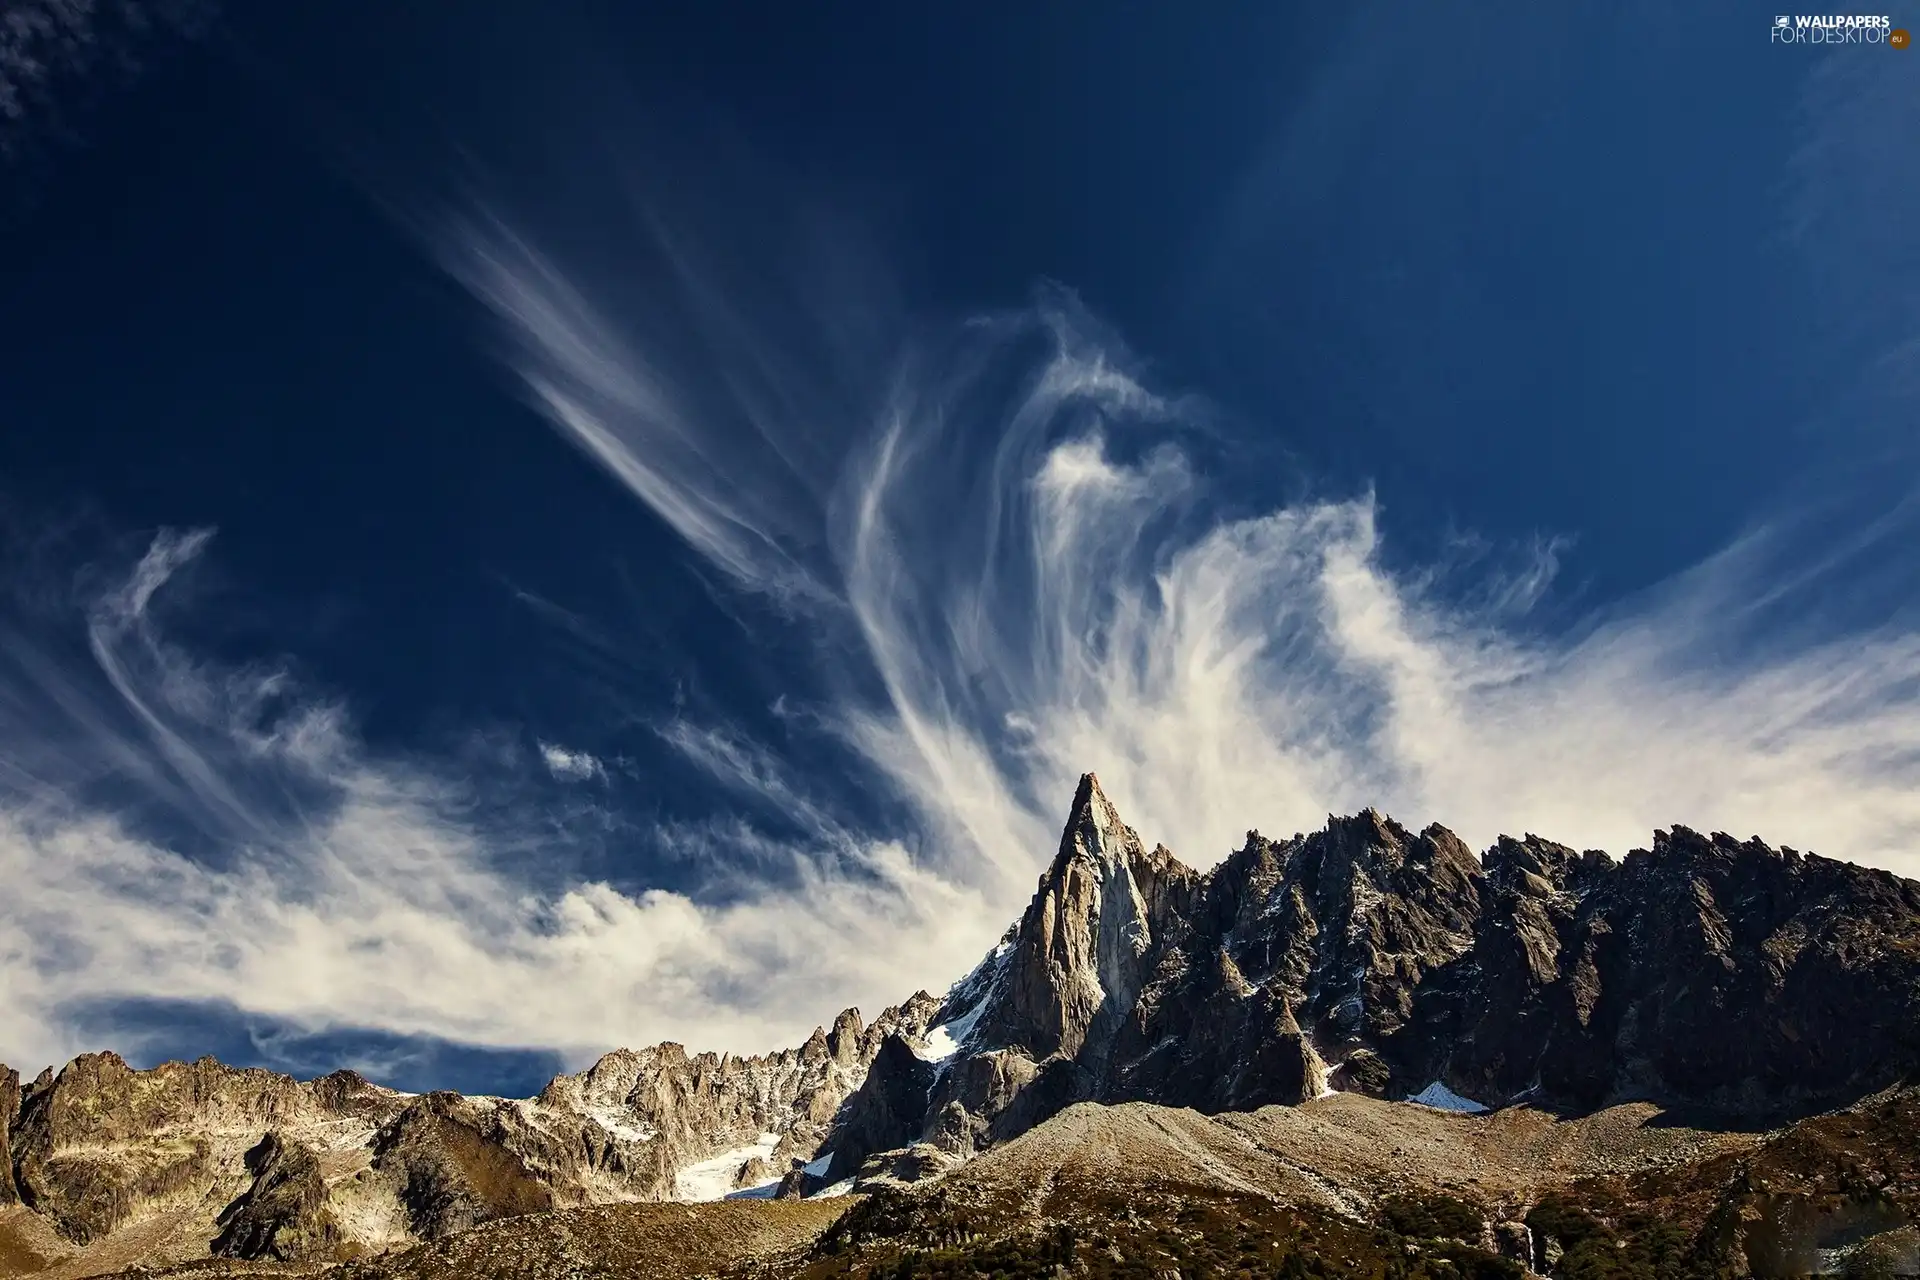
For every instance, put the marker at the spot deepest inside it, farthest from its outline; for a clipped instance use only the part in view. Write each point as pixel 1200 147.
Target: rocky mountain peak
pixel 305 1170
pixel 1537 867
pixel 1094 832
pixel 1079 955
pixel 844 1041
pixel 1368 958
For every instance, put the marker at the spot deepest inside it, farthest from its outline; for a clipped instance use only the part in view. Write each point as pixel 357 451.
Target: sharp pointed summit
pixel 1094 831
pixel 1078 957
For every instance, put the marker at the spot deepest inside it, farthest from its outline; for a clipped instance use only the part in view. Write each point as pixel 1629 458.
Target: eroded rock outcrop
pixel 283 1215
pixel 457 1165
pixel 101 1144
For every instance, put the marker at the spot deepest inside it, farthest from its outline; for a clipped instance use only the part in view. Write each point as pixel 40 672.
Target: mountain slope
pixel 1351 1187
pixel 1706 972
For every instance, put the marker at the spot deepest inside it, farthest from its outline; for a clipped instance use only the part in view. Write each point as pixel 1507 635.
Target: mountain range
pixel 1316 1035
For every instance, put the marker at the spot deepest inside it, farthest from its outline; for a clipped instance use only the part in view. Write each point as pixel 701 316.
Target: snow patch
pixel 712 1179
pixel 621 1124
pixel 840 1188
pixel 947 1039
pixel 816 1168
pixel 1441 1098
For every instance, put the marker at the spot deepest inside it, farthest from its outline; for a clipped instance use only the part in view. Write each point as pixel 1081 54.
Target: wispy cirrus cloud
pixel 1042 579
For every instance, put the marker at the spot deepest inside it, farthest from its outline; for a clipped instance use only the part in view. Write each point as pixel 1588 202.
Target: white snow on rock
pixel 1441 1098
pixel 815 1168
pixel 712 1179
pixel 621 1124
pixel 840 1188
pixel 944 1041
pixel 947 1039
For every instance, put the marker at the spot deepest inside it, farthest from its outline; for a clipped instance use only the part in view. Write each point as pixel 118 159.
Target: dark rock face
pixel 9 1110
pixel 283 1214
pixel 889 1110
pixel 455 1170
pixel 1705 972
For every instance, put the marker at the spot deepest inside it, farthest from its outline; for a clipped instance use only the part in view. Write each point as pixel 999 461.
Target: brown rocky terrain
pixel 1350 1186
pixel 621 1240
pixel 1345 1185
pixel 191 1160
pixel 630 1240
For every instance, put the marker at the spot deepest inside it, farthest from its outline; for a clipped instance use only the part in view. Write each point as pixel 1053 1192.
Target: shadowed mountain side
pixel 1744 983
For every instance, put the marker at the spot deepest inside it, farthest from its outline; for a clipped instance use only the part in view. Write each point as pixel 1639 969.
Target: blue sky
pixel 531 528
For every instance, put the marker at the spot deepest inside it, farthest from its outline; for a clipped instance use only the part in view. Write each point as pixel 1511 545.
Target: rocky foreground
pixel 1690 1061
pixel 1343 1186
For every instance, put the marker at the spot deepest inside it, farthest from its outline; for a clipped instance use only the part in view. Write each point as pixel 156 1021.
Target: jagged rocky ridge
pixel 1717 975
pixel 1708 973
pixel 253 1164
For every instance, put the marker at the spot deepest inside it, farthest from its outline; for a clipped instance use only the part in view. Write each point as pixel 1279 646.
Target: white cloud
pixel 571 766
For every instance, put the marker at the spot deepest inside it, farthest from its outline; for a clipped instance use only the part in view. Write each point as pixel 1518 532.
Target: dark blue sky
pixel 1596 276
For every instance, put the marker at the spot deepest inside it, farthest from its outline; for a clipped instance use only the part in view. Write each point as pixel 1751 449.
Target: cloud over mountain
pixel 1007 552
